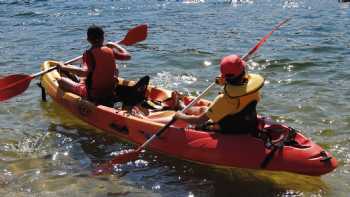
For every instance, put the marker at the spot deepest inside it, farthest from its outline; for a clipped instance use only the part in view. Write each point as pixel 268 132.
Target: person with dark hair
pixel 233 110
pixel 97 82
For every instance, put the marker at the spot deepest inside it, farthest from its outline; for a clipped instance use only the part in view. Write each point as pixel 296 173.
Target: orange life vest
pixel 102 69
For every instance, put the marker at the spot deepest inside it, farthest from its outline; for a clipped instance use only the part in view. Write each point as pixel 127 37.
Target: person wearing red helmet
pixel 99 69
pixel 233 110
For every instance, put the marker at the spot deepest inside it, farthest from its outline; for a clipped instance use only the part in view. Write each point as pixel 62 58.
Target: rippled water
pixel 46 152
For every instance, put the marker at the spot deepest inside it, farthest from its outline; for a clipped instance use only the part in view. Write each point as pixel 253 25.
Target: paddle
pixel 132 155
pixel 16 84
pixel 263 40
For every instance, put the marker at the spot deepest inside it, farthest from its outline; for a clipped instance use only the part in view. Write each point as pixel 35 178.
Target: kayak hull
pixel 208 148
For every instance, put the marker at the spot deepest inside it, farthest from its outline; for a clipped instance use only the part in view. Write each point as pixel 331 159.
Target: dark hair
pixel 236 80
pixel 95 34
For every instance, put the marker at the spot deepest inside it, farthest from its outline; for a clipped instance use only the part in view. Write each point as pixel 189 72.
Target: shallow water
pixel 47 152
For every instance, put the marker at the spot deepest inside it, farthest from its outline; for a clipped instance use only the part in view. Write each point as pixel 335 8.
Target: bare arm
pixel 120 52
pixel 81 72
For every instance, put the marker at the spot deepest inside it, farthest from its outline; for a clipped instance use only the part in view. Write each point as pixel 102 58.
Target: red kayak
pixel 273 147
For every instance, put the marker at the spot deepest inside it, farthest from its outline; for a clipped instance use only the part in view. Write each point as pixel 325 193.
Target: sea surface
pixel 44 151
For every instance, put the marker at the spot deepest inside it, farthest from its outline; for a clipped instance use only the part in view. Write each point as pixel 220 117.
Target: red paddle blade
pixel 13 85
pixel 106 168
pixel 135 35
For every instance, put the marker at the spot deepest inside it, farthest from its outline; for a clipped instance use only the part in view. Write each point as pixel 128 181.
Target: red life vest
pixel 102 69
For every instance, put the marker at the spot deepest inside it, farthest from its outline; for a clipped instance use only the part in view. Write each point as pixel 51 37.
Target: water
pixel 47 152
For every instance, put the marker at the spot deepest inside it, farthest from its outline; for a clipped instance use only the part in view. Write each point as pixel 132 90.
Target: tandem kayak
pixel 276 147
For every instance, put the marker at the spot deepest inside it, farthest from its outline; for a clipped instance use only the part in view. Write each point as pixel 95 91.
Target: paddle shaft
pixel 53 68
pixel 263 40
pixel 43 72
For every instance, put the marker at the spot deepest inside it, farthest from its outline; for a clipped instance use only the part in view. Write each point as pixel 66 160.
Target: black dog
pixel 131 96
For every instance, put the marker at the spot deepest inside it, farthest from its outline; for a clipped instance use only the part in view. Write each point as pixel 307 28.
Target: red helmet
pixel 232 65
